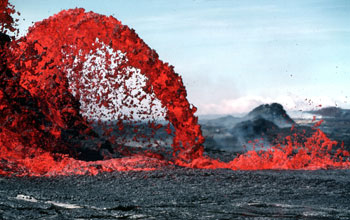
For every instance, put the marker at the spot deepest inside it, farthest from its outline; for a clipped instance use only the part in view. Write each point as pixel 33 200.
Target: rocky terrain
pixel 270 124
pixel 179 193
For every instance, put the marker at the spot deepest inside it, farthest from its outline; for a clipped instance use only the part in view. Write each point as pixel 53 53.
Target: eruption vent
pixel 76 70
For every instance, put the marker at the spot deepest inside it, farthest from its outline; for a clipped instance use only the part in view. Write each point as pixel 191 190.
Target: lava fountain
pixel 77 70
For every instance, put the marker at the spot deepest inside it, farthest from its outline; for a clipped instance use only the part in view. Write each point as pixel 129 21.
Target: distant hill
pixel 226 121
pixel 254 128
pixel 272 112
pixel 271 124
pixel 208 117
pixel 333 112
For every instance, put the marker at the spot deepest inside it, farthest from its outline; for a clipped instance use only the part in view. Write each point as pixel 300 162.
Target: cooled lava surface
pixel 180 193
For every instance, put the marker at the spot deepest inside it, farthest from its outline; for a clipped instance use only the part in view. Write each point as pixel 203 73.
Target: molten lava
pixel 76 69
pixel 315 153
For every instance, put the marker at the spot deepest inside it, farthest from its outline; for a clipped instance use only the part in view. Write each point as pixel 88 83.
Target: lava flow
pixel 77 70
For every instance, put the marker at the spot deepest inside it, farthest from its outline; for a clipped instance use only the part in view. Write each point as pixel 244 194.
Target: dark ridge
pixel 254 128
pixel 226 121
pixel 273 112
pixel 334 112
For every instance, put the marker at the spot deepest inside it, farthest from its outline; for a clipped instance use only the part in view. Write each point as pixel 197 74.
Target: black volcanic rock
pixel 254 128
pixel 259 127
pixel 266 121
pixel 272 112
pixel 334 112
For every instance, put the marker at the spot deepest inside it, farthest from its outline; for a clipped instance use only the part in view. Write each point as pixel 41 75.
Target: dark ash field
pixel 179 193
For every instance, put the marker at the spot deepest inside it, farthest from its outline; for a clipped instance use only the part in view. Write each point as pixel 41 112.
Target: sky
pixel 235 55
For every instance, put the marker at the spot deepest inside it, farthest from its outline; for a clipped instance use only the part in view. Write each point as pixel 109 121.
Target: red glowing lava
pixel 42 106
pixel 78 66
pixel 315 153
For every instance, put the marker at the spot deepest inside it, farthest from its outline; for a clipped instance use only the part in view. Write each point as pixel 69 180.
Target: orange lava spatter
pixel 316 152
pixel 77 69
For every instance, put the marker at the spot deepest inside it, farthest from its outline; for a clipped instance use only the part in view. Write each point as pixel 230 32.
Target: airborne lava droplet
pixel 78 70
